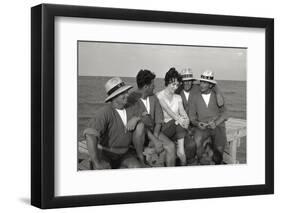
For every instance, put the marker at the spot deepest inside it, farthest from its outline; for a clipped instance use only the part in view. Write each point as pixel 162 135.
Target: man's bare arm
pixel 219 96
pixel 157 129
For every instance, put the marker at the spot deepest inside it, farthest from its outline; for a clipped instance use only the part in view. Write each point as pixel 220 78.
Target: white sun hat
pixel 114 87
pixel 208 76
pixel 187 75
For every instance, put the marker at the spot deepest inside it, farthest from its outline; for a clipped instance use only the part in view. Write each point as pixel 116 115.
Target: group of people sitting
pixel 185 121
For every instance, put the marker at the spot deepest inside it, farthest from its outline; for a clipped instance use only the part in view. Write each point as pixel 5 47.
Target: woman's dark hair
pixel 144 77
pixel 170 75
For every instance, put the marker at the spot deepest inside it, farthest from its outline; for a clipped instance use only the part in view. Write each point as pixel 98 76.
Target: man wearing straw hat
pixel 189 89
pixel 113 130
pixel 208 117
pixel 186 91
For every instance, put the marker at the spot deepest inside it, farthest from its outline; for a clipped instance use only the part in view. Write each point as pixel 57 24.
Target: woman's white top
pixel 173 104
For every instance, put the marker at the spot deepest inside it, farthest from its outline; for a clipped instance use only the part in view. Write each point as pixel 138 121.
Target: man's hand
pixel 216 89
pixel 212 125
pixel 147 121
pixel 131 125
pixel 145 113
pixel 202 125
pixel 158 147
pixel 101 165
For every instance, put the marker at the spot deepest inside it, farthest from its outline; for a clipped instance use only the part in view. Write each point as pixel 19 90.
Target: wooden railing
pixel 235 131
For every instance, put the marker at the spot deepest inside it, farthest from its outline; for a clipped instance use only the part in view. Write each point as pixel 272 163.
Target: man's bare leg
pixel 138 141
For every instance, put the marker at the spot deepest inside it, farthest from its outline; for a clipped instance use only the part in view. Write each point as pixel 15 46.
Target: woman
pixel 176 120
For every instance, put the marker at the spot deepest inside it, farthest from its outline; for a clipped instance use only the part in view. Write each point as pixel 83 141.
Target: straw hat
pixel 187 75
pixel 208 76
pixel 114 87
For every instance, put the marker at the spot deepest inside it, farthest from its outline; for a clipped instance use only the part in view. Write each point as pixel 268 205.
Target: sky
pixel 126 59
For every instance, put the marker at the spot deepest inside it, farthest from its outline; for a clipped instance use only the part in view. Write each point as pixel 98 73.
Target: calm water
pixel 91 95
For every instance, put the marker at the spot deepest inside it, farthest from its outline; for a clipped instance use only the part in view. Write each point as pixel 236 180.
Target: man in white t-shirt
pixel 147 106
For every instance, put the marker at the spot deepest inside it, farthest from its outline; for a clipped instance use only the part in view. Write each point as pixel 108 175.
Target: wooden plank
pixel 83 156
pixel 82 147
pixel 235 129
pixel 83 144
pixel 84 165
pixel 233 151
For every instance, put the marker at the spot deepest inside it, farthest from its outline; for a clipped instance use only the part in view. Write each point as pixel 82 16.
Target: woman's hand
pixel 183 121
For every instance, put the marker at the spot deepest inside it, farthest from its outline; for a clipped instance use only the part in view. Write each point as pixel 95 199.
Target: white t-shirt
pixel 123 115
pixel 206 98
pixel 186 94
pixel 146 104
pixel 173 104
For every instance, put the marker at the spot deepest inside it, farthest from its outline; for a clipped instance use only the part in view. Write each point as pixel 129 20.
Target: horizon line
pixel 156 77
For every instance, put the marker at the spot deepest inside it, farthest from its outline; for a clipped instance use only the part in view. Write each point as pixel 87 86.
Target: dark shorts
pixel 218 135
pixel 173 131
pixel 116 160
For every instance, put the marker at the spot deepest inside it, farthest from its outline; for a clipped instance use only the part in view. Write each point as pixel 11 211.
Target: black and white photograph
pixel 132 106
pixel 147 105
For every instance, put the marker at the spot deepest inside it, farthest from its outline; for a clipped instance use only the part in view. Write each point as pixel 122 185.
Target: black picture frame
pixel 43 105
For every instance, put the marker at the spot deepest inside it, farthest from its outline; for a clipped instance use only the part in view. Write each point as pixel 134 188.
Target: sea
pixel 91 96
